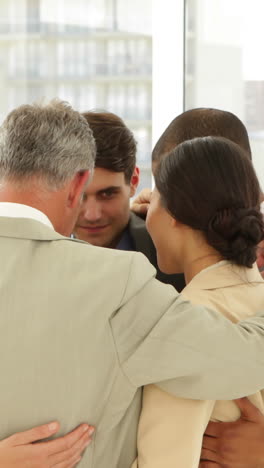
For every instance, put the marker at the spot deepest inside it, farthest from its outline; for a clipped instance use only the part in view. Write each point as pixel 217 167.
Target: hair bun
pixel 235 233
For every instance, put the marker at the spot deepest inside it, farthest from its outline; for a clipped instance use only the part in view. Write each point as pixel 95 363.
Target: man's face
pixel 105 208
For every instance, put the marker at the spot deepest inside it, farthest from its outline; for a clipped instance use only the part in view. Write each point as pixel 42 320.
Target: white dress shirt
pixel 17 210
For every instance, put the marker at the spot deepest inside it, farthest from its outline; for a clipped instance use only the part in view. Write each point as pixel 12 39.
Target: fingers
pixel 140 208
pixel 208 464
pixel 248 410
pixel 141 203
pixel 214 429
pixel 73 452
pixel 69 440
pixel 35 434
pixel 144 196
pixel 209 455
pixel 210 443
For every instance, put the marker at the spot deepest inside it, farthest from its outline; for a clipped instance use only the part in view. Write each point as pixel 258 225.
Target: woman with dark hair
pixel 205 221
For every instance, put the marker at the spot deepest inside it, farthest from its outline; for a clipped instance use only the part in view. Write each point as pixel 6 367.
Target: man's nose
pixel 92 211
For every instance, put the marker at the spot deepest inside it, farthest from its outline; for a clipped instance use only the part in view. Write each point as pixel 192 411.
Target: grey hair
pixel 51 142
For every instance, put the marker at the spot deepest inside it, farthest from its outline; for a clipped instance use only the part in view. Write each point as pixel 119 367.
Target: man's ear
pixel 134 181
pixel 77 187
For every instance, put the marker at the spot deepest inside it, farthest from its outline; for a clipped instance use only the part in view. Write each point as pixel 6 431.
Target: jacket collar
pixel 31 229
pixel 225 274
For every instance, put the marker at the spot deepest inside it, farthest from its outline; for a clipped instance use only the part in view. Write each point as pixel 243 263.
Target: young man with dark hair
pixel 105 219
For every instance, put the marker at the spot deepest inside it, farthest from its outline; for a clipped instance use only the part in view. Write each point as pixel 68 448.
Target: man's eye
pixel 84 197
pixel 108 194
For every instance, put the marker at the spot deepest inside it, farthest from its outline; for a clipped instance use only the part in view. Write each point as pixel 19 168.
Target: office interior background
pixel 145 60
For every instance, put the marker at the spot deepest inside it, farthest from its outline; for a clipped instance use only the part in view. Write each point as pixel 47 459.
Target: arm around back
pixel 190 351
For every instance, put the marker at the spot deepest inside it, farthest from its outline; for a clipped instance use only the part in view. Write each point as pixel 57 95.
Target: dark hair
pixel 202 122
pixel 210 184
pixel 115 143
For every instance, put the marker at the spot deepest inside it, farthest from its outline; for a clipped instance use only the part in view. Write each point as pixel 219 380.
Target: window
pixel 224 68
pixel 96 54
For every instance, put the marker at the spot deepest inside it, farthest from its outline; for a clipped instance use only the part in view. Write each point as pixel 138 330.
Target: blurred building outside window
pixel 96 54
pixel 223 66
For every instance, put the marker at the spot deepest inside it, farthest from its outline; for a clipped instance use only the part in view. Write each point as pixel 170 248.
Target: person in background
pixel 205 220
pixel 201 122
pixel 105 218
pixel 194 123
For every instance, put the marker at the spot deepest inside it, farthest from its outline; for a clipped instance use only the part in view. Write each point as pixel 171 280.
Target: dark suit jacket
pixel 142 243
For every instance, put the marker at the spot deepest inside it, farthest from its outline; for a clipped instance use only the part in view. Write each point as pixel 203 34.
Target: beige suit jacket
pixel 171 429
pixel 83 328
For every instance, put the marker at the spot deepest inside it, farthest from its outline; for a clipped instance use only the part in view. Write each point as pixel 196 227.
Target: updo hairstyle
pixel 210 185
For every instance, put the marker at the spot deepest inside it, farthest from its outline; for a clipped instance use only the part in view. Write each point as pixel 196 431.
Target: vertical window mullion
pixel 168 63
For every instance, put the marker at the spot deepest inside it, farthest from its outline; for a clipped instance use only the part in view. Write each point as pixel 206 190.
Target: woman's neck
pixel 193 266
pixel 197 254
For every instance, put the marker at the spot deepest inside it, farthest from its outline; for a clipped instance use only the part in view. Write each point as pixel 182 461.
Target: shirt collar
pixel 17 210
